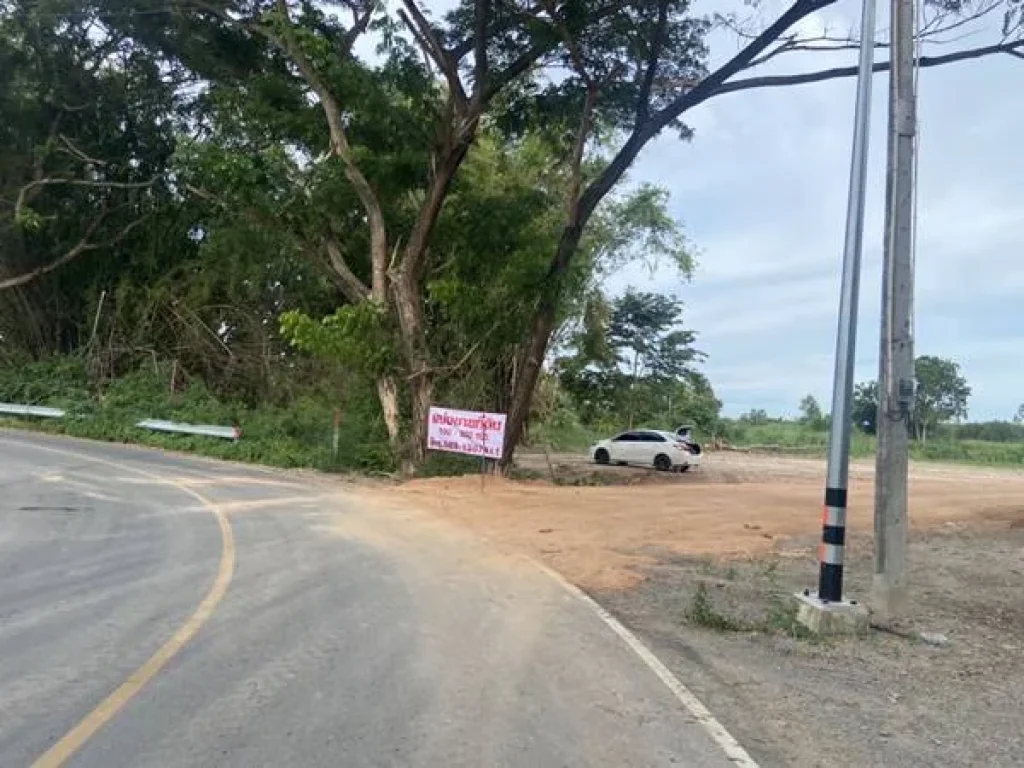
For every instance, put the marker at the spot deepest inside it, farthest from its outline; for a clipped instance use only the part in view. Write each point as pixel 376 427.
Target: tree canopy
pixel 940 395
pixel 811 414
pixel 631 362
pixel 865 406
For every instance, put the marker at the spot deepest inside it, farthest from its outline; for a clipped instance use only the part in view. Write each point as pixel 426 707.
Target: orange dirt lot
pixel 601 537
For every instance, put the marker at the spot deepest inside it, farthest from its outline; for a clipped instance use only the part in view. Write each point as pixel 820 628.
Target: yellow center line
pixel 73 740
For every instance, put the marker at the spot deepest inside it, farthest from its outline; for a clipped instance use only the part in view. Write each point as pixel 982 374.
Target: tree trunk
pixel 407 290
pixel 422 391
pixel 532 358
pixel 387 393
pixel 632 388
pixel 409 306
pixel 536 346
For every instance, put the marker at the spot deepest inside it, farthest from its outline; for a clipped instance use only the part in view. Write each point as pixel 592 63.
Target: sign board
pixel 475 433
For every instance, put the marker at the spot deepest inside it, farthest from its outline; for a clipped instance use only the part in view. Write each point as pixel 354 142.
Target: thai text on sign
pixel 475 433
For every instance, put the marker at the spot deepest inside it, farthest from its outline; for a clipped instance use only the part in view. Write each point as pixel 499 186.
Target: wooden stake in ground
pixel 896 353
pixel 336 434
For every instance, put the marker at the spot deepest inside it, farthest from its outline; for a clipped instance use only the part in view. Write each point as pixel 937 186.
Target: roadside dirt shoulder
pixel 702 565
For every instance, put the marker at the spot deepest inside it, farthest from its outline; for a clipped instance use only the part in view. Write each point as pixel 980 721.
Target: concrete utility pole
pixel 896 353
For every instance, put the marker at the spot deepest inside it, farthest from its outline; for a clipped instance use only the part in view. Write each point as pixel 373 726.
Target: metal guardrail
pixel 207 430
pixel 15 409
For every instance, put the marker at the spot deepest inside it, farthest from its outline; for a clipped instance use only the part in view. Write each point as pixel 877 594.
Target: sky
pixel 761 191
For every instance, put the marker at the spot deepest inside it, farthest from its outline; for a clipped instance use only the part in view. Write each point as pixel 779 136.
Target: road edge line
pixel 725 740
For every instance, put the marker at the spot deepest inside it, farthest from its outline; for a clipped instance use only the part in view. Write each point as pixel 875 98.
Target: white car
pixel 647 447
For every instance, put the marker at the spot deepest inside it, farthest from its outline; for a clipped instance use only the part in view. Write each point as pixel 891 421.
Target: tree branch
pixel 51 181
pixel 288 43
pixel 450 158
pixel 648 129
pixel 74 151
pixel 353 288
pixel 82 246
pixel 712 83
pixel 480 63
pixel 1015 48
pixel 460 126
pixel 704 90
pixel 571 44
pixel 533 54
pixel 643 106
pixel 428 39
pixel 516 68
pixel 464 47
pixel 576 160
pixel 359 26
pixel 24 192
pixel 450 369
pixel 940 24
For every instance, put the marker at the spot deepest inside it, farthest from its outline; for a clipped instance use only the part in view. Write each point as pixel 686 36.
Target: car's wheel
pixel 684 467
pixel 662 462
pixel 601 456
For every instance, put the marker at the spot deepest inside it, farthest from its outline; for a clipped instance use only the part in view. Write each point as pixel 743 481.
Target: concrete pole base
pixel 827 618
pixel 888 597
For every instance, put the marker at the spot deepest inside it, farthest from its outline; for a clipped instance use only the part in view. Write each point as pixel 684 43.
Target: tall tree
pixel 940 395
pixel 811 414
pixel 865 406
pixel 314 46
pixel 642 330
pixel 633 361
pixel 631 79
pixel 755 416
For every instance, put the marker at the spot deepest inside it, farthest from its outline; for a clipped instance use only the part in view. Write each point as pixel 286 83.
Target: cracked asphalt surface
pixel 347 635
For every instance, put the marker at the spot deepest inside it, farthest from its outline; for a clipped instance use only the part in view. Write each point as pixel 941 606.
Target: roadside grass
pixel 792 437
pixel 292 434
pixel 778 613
pixel 566 438
pixel 702 612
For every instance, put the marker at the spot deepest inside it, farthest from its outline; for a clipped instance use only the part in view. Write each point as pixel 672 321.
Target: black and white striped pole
pixel 833 529
pixel 833 532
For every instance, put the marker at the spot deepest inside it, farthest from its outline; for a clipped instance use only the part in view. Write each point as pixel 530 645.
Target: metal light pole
pixel 896 350
pixel 833 534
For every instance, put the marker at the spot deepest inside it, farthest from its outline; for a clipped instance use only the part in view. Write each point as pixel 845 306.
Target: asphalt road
pixel 163 611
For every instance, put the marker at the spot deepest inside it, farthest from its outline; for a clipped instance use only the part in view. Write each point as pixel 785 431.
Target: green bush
pixel 294 434
pixel 61 382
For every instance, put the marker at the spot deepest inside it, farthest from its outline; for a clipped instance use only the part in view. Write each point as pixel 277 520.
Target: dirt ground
pixel 702 565
pixel 606 536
